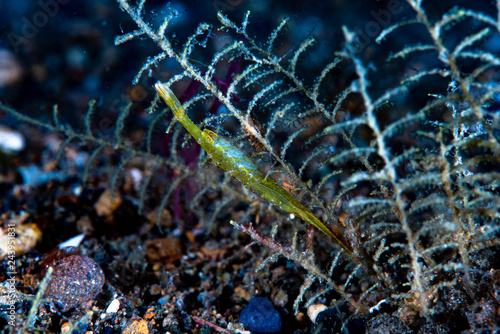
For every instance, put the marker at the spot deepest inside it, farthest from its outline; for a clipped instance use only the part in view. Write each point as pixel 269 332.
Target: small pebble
pixel 65 327
pixel 107 203
pixel 137 327
pixel 113 306
pixel 315 309
pixel 11 71
pixel 164 250
pixel 260 316
pixel 26 237
pixel 11 141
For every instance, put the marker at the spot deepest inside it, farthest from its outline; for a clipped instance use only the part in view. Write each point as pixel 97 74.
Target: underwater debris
pixel 260 316
pixel 76 278
pixel 11 142
pixel 16 229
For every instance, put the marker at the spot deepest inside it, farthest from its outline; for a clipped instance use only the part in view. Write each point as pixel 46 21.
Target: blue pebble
pixel 260 316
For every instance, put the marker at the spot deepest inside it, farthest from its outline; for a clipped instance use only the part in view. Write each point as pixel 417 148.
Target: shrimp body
pixel 233 160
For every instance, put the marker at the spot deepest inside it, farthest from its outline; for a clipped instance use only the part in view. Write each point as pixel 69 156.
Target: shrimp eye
pixel 208 138
pixel 243 172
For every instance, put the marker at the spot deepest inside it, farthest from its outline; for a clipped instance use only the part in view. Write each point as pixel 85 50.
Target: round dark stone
pixel 260 316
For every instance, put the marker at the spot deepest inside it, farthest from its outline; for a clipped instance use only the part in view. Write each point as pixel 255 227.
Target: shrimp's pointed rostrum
pixel 237 163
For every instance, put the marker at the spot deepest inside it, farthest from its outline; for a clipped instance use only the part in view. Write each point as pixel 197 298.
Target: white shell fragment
pixel 10 141
pixel 315 309
pixel 113 306
pixel 73 242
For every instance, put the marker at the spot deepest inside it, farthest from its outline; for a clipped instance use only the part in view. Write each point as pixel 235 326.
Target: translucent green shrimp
pixel 230 158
